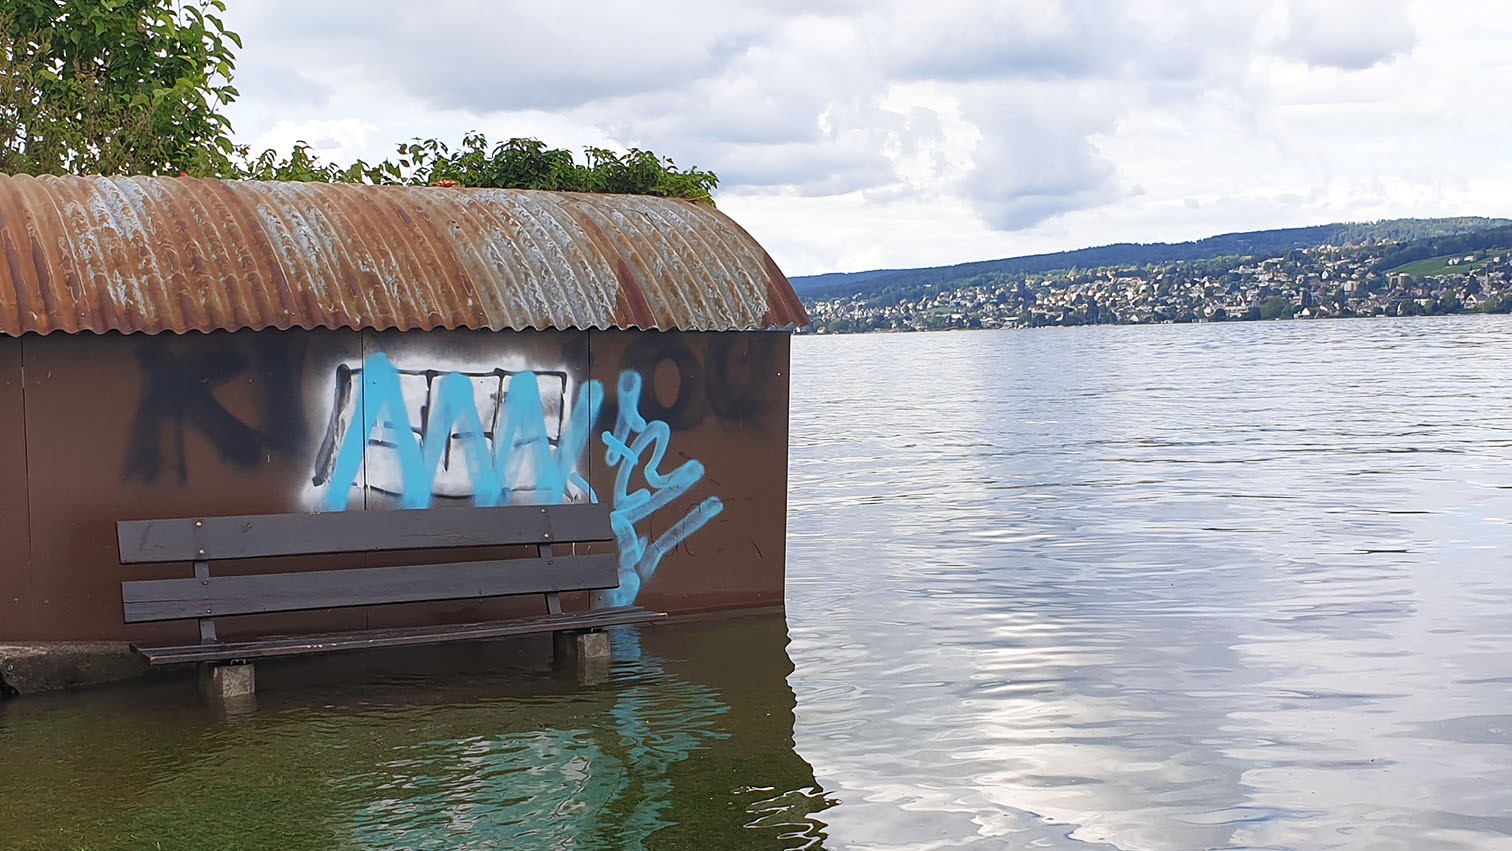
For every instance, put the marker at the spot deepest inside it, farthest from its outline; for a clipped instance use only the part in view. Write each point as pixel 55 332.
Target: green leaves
pixel 115 87
pixel 517 163
pixel 136 87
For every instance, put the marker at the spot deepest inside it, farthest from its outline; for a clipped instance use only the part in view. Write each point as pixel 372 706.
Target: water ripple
pixel 1164 587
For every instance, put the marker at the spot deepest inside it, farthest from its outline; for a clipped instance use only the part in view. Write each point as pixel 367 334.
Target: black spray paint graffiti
pixel 178 394
pixel 735 381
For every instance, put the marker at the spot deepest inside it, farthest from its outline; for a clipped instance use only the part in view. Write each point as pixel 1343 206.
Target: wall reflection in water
pixel 689 745
pixel 654 756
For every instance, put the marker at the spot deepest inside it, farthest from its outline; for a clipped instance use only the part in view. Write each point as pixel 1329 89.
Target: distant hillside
pixel 1445 245
pixel 1263 243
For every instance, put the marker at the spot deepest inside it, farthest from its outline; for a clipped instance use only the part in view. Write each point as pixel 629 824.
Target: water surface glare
pixel 1218 586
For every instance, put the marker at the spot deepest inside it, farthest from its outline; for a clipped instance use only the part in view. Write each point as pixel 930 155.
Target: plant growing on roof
pixel 513 164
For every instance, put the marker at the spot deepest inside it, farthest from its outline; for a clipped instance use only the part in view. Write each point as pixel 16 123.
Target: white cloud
pixel 1350 34
pixel 900 133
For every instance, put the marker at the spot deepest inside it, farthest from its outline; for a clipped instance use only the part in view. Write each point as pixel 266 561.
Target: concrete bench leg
pixel 228 685
pixel 584 653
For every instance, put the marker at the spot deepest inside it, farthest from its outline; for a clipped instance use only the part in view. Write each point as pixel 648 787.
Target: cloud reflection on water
pixel 1171 587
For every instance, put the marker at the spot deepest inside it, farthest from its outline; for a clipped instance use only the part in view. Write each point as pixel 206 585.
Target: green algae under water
pixel 688 745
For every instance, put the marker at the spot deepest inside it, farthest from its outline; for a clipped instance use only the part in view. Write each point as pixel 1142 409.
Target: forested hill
pixel 1263 243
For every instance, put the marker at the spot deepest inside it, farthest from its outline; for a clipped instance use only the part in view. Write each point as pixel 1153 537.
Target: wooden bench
pixel 205 540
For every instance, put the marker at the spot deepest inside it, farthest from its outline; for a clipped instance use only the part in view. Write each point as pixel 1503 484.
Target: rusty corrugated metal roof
pixel 143 254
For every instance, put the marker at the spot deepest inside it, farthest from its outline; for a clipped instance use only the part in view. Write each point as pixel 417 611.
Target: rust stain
pixel 630 308
pixel 783 302
pixel 93 254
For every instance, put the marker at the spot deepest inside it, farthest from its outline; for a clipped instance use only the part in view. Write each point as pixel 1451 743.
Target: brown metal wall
pixel 725 398
pixel 129 427
pixel 15 543
pixel 99 428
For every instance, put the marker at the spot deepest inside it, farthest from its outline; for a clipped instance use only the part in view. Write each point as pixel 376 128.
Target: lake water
pixel 1171 587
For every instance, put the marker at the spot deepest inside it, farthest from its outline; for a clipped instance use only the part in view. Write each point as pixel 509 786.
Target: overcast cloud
pixel 854 135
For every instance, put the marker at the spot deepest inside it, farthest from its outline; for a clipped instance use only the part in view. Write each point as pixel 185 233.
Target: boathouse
pixel 184 347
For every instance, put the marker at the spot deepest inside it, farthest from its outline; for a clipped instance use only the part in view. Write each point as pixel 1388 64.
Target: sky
pixel 863 134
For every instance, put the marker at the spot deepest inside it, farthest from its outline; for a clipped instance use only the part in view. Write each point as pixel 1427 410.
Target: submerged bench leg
pixel 228 684
pixel 584 653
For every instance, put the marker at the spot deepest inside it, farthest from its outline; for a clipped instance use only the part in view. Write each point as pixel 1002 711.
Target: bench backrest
pixel 265 535
pixel 206 539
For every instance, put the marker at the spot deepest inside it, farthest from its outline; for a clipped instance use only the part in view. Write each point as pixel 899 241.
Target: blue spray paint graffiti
pixel 522 458
pixel 635 442
pixel 516 460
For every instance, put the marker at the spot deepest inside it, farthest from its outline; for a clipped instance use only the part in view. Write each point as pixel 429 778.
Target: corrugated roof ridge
pixel 151 255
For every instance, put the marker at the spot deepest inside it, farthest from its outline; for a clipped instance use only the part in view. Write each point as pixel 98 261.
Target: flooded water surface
pixel 1179 587
pixel 1220 586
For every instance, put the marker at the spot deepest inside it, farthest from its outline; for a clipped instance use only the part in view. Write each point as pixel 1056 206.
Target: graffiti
pixel 739 381
pixel 648 356
pixel 735 384
pixel 518 446
pixel 638 443
pixel 496 438
pixel 178 391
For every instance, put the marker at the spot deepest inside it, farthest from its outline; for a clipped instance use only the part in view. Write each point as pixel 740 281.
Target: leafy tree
pixel 115 87
pixel 136 87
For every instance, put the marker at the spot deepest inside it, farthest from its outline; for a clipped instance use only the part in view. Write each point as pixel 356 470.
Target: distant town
pixel 1303 283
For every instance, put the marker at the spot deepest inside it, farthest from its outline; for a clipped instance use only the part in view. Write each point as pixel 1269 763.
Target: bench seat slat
pixel 371 639
pixel 272 535
pixel 173 599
